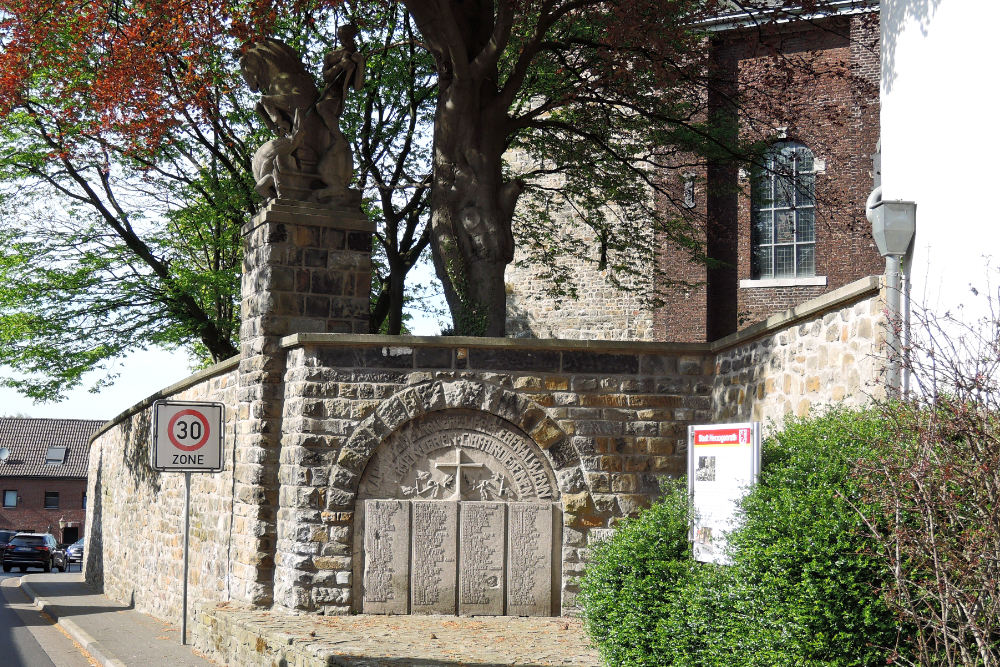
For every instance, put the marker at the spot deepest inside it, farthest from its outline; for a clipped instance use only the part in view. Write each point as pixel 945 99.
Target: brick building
pixel 784 228
pixel 43 476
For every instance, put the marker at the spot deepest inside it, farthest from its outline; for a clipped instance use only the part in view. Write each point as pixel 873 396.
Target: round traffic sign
pixel 196 430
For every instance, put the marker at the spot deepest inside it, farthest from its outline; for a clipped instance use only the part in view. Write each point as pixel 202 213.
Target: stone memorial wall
pixel 825 351
pixel 429 475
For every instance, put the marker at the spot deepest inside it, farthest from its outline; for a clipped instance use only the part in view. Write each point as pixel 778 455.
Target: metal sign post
pixel 187 437
pixel 187 530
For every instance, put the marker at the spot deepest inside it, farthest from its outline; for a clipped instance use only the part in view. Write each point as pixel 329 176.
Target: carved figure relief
pixel 310 158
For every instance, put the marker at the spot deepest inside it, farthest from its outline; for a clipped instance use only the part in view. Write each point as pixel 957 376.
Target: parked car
pixel 74 552
pixel 5 536
pixel 32 550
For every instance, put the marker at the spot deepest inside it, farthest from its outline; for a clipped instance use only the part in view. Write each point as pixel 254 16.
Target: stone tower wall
pixel 834 110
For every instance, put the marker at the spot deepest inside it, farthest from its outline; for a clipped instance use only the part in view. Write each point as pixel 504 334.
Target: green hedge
pixel 803 588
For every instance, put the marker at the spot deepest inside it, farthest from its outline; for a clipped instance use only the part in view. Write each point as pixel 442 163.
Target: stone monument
pixel 306 268
pixel 455 515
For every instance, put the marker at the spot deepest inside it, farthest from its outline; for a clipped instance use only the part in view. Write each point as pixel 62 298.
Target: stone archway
pixel 455 497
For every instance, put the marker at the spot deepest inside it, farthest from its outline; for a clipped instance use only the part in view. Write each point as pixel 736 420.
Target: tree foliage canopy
pixel 129 123
pixel 125 170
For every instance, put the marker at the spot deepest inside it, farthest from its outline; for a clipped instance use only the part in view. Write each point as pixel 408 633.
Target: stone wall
pixel 568 293
pixel 605 419
pixel 829 102
pixel 609 419
pixel 825 351
pixel 134 519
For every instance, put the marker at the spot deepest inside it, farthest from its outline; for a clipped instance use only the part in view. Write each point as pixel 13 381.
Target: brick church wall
pixel 837 118
pixel 827 99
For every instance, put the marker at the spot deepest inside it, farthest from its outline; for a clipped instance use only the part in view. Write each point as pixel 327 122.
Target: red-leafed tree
pixel 127 138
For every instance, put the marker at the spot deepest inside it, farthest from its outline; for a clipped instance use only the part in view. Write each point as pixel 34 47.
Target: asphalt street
pixel 29 638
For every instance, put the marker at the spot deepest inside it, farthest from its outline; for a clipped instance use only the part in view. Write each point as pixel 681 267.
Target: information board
pixel 187 436
pixel 723 463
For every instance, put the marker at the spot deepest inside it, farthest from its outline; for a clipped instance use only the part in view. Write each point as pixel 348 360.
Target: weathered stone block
pixel 481 562
pixel 529 559
pixel 435 564
pixel 387 557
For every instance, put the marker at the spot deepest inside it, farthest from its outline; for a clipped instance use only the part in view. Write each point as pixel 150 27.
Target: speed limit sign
pixel 187 436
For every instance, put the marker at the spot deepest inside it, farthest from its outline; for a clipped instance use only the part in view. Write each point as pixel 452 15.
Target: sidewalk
pixel 114 635
pixel 117 635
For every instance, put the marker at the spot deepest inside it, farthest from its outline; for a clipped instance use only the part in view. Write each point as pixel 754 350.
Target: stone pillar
pixel 306 268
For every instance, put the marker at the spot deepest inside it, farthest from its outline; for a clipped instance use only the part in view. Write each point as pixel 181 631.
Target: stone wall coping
pixel 205 374
pixel 832 300
pixel 552 344
pixel 306 213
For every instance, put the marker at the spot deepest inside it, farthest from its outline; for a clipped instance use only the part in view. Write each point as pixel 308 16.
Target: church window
pixel 783 228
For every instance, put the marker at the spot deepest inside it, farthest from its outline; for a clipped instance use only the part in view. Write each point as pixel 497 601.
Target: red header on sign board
pixel 722 436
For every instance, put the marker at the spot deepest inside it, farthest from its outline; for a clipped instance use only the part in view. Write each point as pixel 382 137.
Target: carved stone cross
pixel 458 465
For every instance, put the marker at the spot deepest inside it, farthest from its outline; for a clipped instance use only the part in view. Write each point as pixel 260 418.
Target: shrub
pixel 804 586
pixel 809 582
pixel 633 578
pixel 940 483
pixel 936 484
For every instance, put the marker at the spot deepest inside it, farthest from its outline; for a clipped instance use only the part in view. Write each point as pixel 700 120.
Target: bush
pixel 939 482
pixel 633 578
pixel 804 586
pixel 809 581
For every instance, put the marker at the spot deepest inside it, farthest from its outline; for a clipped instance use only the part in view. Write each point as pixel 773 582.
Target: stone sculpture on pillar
pixel 310 158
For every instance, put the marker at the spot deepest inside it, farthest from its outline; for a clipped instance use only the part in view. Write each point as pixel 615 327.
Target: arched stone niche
pixel 457 509
pixel 459 455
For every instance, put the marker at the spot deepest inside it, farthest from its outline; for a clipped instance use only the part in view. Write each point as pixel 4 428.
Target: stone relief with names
pixel 464 456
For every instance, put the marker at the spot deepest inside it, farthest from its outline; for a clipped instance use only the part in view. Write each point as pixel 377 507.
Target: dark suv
pixel 31 550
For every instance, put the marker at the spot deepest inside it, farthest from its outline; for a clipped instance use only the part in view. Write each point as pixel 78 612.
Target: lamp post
pixel 893 227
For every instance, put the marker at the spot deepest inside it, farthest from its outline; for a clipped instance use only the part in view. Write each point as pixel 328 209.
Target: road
pixel 29 638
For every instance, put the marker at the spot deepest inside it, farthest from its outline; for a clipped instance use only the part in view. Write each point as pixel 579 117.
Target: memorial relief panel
pixel 455 516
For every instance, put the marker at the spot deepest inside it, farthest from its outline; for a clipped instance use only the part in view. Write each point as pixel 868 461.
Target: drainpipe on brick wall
pixel 893 227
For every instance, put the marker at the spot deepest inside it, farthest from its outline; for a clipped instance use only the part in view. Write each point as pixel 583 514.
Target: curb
pixel 91 645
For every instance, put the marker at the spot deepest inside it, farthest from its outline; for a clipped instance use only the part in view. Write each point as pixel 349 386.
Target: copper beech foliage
pixel 128 68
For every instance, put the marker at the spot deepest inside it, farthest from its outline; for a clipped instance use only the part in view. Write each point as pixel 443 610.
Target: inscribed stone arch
pixel 481 465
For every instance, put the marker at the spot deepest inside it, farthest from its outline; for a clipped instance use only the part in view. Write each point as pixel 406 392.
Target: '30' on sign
pixel 187 436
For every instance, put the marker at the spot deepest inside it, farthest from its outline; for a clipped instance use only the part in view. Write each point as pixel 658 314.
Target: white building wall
pixel 941 141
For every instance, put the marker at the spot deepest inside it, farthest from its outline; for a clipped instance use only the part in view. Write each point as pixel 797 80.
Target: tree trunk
pixel 471 205
pixel 397 283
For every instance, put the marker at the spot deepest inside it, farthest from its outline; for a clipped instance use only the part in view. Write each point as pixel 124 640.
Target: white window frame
pixel 56 455
pixel 769 205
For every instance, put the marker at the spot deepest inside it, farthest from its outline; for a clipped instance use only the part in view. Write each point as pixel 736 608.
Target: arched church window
pixel 783 227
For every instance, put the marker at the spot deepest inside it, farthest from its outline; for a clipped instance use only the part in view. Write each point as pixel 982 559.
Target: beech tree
pixel 124 184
